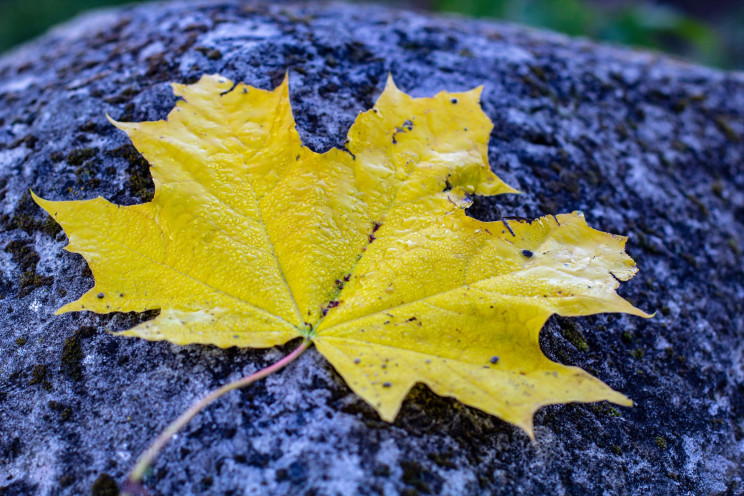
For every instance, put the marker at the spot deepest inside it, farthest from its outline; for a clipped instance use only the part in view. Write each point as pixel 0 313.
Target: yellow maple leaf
pixel 252 240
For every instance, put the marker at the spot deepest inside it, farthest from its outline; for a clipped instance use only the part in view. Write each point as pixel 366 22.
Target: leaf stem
pixel 133 485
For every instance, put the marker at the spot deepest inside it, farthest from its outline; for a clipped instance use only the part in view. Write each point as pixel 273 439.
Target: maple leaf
pixel 252 240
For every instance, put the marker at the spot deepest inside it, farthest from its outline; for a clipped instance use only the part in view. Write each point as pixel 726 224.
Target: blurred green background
pixel 709 32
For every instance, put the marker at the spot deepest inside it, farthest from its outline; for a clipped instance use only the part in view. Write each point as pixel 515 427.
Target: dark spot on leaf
pixel 506 224
pixel 234 85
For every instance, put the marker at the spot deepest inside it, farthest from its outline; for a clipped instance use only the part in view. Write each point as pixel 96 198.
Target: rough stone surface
pixel 644 144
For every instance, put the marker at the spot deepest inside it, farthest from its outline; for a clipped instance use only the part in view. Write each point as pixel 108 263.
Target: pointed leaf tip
pixel 390 82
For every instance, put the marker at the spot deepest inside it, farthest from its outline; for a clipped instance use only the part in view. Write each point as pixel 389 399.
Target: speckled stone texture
pixel 645 145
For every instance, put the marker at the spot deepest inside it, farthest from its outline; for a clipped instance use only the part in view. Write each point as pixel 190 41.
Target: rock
pixel 644 144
